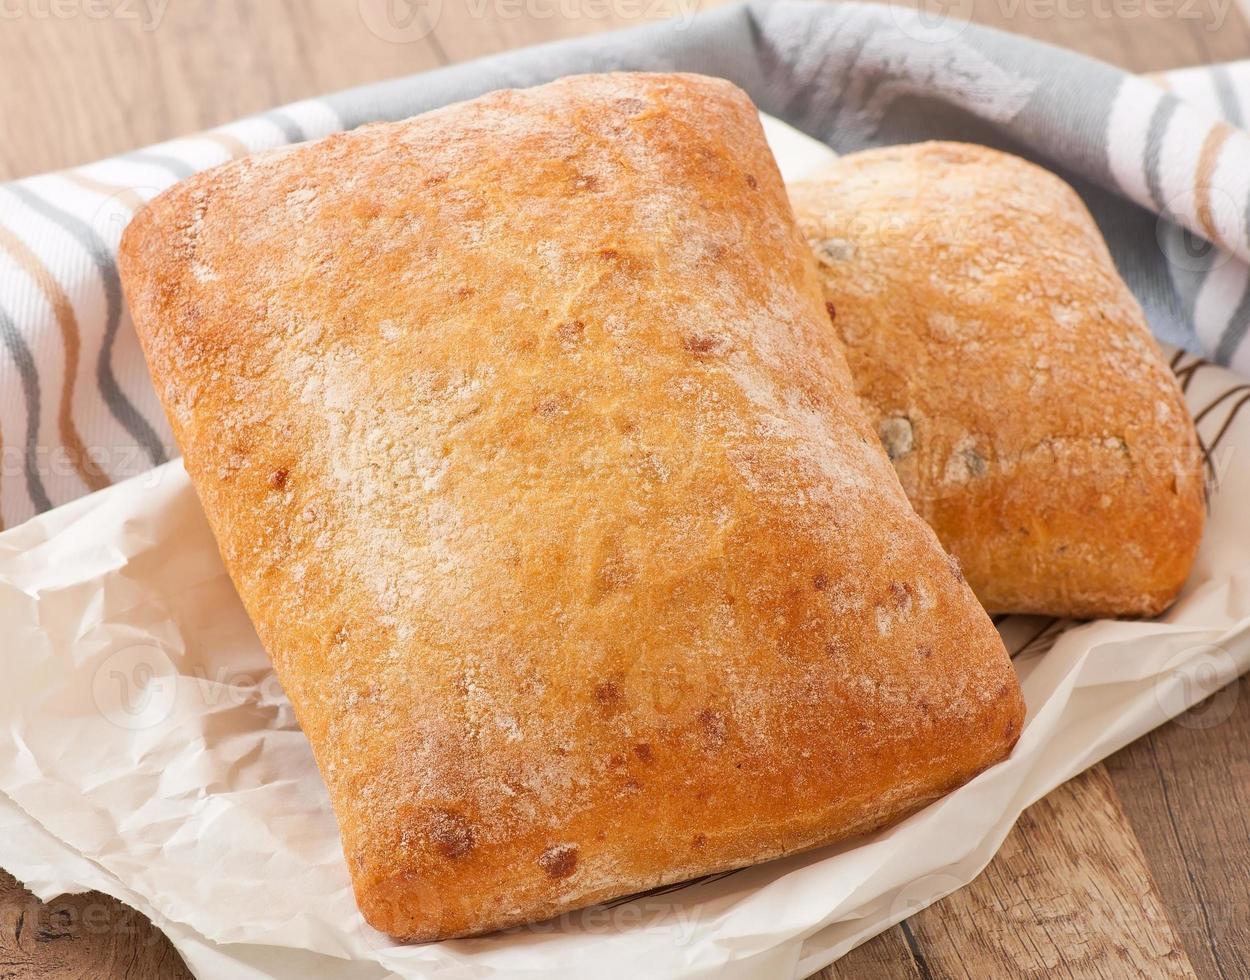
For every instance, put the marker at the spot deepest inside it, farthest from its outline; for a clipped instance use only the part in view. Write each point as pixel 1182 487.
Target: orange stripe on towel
pixel 232 144
pixel 1203 175
pixel 88 471
pixel 127 196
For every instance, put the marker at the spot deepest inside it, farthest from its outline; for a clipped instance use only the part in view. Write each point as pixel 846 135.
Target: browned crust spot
pixel 559 861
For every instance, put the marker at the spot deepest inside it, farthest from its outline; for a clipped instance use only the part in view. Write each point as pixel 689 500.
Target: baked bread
pixel 1011 375
pixel 532 457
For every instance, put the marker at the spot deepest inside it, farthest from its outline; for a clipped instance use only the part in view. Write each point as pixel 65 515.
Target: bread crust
pixel 1009 370
pixel 541 476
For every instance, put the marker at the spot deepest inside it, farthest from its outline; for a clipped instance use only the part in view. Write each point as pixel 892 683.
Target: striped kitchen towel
pixel 1164 164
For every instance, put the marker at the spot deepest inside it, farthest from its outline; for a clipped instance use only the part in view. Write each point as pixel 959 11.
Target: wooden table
pixel 1140 867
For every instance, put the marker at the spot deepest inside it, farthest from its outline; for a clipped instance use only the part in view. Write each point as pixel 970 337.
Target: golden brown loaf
pixel 533 459
pixel 1011 375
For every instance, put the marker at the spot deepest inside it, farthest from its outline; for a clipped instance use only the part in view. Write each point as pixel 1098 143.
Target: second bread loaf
pixel 1011 377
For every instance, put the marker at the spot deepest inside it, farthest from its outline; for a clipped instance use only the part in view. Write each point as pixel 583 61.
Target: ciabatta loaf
pixel 534 461
pixel 1011 376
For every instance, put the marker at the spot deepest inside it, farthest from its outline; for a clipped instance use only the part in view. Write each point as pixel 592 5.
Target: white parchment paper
pixel 147 750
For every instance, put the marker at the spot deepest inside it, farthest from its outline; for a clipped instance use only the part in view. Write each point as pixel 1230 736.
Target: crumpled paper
pixel 147 750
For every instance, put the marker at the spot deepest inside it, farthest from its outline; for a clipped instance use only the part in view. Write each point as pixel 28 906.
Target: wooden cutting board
pixel 1139 867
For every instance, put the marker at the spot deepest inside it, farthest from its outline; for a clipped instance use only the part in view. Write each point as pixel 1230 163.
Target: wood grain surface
pixel 1063 895
pixel 1139 867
